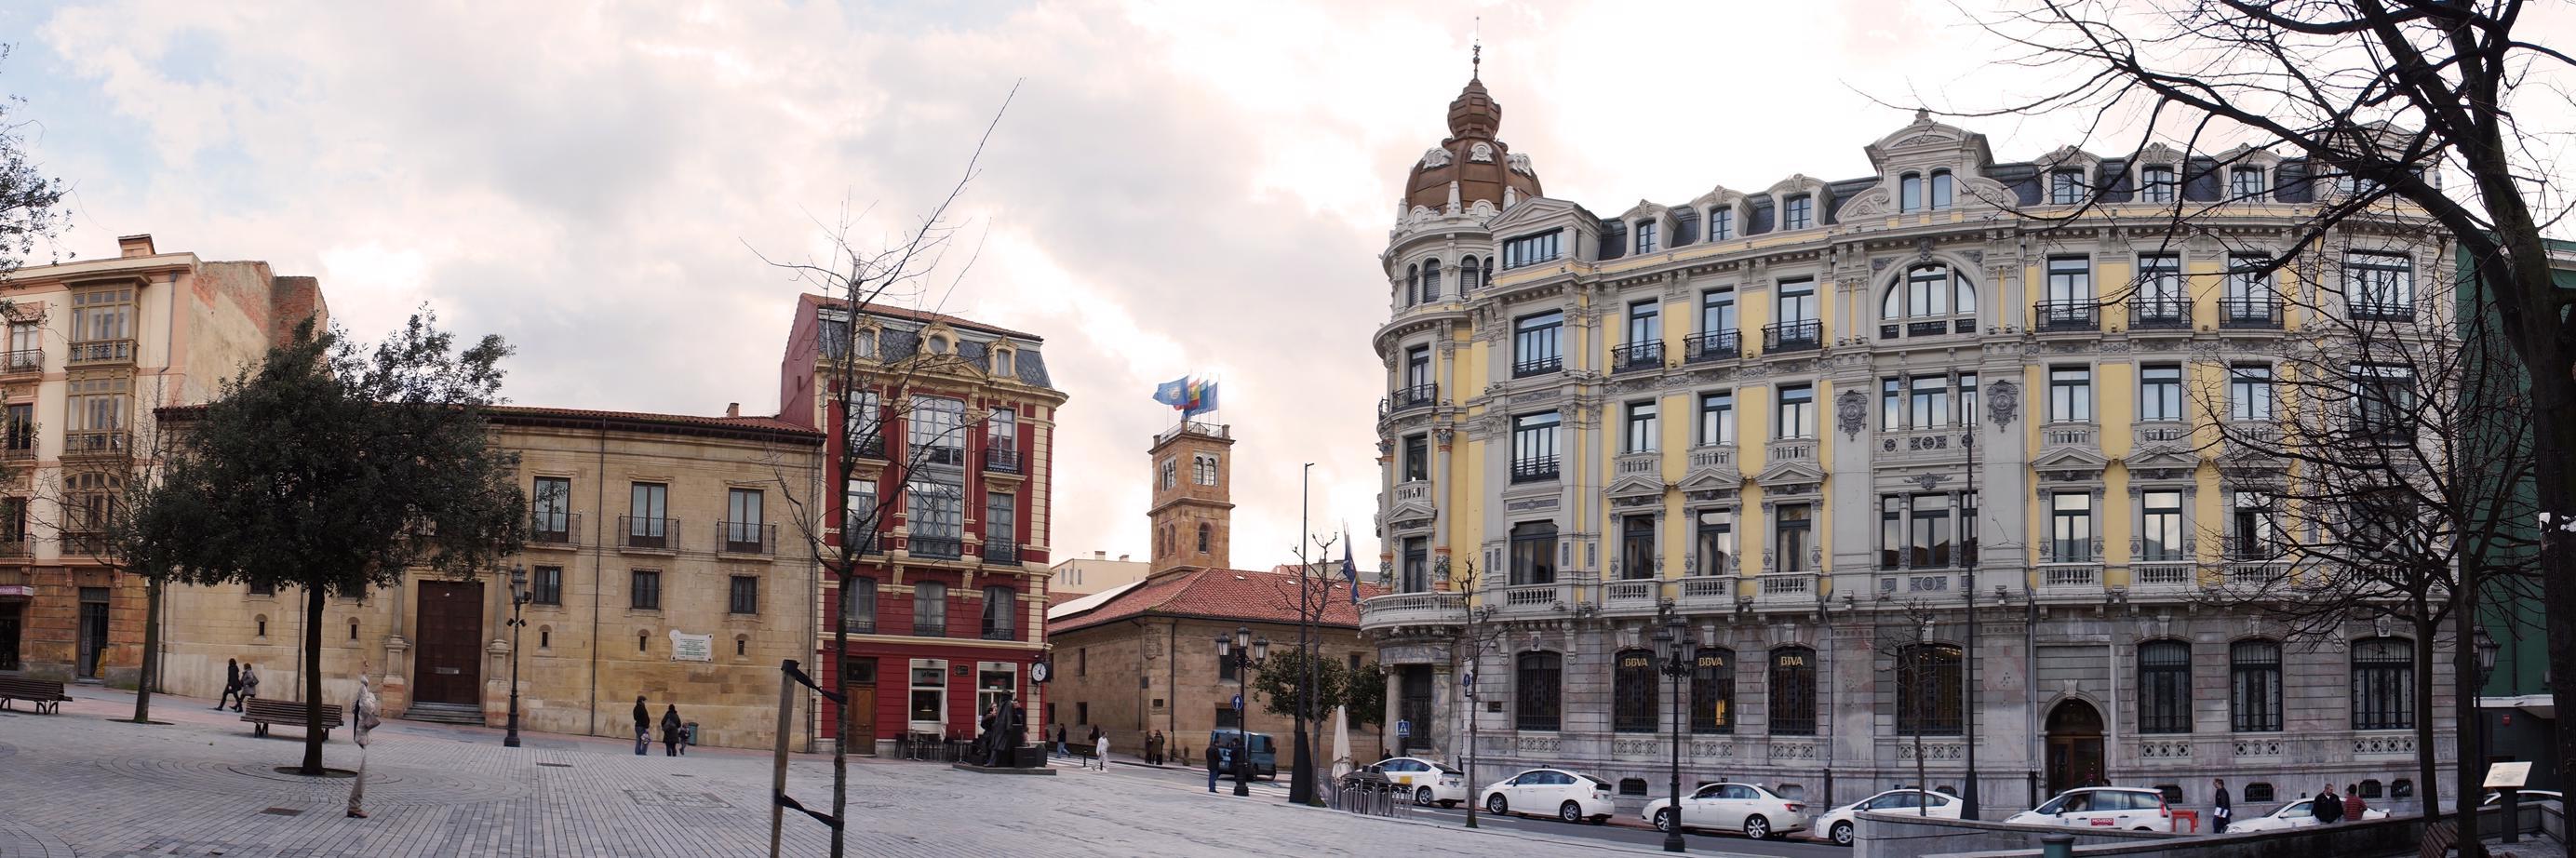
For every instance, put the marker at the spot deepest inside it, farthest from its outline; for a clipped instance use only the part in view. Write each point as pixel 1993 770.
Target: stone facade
pixel 1769 413
pixel 644 527
pixel 1160 672
pixel 93 347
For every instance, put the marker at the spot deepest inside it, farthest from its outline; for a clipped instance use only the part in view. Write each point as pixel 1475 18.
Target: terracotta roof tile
pixel 1238 594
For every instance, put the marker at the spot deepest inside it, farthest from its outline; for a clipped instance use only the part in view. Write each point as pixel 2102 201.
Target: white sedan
pixel 1836 824
pixel 1428 782
pixel 1760 813
pixel 2297 814
pixel 1563 794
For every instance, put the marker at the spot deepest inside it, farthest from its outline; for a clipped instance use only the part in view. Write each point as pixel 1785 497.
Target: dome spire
pixel 1476 56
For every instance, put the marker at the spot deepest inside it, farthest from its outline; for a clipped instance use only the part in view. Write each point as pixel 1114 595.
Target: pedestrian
pixel 1215 763
pixel 1100 747
pixel 643 726
pixel 671 731
pixel 363 720
pixel 2327 807
pixel 250 686
pixel 2352 806
pixel 1061 749
pixel 2218 817
pixel 232 683
pixel 1156 748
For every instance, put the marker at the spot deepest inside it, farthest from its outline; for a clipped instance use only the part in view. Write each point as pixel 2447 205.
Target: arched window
pixel 1412 285
pixel 1632 691
pixel 1940 196
pixel 1793 691
pixel 2254 686
pixel 1712 700
pixel 2164 687
pixel 2383 684
pixel 1909 192
pixel 1470 275
pixel 1431 280
pixel 1927 296
pixel 1537 689
pixel 1927 690
pixel 1204 532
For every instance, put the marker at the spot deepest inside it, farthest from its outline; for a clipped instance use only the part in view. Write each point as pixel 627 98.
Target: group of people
pixel 674 731
pixel 2328 807
pixel 1220 758
pixel 1099 742
pixel 241 683
pixel 1155 745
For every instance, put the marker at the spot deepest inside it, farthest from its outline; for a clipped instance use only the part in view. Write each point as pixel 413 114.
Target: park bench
pixel 261 712
pixel 44 694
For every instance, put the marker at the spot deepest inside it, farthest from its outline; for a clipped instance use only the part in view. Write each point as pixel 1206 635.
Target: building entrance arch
pixel 2074 746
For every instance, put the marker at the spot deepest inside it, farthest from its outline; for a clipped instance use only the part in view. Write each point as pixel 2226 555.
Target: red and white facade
pixel 951 436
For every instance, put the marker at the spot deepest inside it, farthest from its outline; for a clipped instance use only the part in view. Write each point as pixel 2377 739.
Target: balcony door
pixel 1797 301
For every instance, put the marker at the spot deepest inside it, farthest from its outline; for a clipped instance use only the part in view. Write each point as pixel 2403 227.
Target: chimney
pixel 130 246
pixel 1101 555
pixel 733 409
pixel 1122 558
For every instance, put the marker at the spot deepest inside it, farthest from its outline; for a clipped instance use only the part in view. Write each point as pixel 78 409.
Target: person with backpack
pixel 671 731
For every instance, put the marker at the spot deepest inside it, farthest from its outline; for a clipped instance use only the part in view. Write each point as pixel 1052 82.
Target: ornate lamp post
pixel 1674 640
pixel 1245 650
pixel 2487 647
pixel 519 597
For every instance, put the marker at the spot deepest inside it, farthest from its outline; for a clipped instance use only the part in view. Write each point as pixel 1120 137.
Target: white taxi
pixel 1428 782
pixel 1554 792
pixel 1836 824
pixel 2131 808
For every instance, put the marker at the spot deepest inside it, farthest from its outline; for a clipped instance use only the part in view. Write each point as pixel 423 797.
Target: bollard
pixel 2057 846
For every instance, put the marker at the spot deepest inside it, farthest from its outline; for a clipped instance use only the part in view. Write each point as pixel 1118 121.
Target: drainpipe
pixel 598 566
pixel 2030 689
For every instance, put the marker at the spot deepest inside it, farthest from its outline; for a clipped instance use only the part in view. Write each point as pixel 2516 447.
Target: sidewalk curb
pixel 1552 839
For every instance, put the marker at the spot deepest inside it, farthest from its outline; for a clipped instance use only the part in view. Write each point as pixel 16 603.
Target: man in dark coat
pixel 232 683
pixel 643 726
pixel 2222 809
pixel 1216 763
pixel 671 731
pixel 2328 807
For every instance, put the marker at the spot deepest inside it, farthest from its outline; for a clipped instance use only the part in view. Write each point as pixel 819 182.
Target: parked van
pixel 1265 755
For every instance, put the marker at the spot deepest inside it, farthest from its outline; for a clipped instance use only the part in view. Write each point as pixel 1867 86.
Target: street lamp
pixel 1244 649
pixel 519 598
pixel 1673 639
pixel 2487 647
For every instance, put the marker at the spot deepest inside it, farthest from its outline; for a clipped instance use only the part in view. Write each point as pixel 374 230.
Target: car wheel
pixel 1842 834
pixel 1494 804
pixel 1664 819
pixel 1449 804
pixel 1570 812
pixel 1422 797
pixel 1757 828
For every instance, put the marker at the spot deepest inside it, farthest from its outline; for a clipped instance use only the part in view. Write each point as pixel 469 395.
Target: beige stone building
pixel 664 560
pixel 1083 576
pixel 93 347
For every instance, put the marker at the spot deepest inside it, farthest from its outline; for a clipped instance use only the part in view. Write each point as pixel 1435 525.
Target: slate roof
pixel 1225 594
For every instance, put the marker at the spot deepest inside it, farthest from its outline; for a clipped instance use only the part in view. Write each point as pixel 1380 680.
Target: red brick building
pixel 950 434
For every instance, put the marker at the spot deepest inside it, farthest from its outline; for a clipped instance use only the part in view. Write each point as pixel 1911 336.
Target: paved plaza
pixel 79 785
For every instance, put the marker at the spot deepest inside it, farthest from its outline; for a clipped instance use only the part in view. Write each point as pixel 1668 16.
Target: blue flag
pixel 1350 570
pixel 1175 393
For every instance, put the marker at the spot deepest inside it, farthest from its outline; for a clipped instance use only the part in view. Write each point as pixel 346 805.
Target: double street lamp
pixel 519 598
pixel 1245 650
pixel 1674 640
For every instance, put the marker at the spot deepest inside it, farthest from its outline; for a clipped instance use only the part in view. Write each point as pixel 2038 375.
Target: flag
pixel 1175 393
pixel 1202 397
pixel 1350 570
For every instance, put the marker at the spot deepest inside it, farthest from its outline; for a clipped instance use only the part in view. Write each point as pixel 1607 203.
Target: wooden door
pixel 2074 746
pixel 863 719
pixel 447 665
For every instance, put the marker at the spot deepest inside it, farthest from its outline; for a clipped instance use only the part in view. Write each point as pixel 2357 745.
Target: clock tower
pixel 1192 506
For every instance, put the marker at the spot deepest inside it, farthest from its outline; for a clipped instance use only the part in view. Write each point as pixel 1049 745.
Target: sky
pixel 1175 188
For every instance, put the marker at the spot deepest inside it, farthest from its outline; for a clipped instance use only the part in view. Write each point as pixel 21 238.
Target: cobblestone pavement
pixel 80 785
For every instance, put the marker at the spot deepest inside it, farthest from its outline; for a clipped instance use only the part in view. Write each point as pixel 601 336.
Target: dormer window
pixel 1939 198
pixel 2156 184
pixel 1003 361
pixel 1799 212
pixel 1909 193
pixel 2246 184
pixel 941 342
pixel 1645 236
pixel 1721 223
pixel 2065 187
pixel 865 343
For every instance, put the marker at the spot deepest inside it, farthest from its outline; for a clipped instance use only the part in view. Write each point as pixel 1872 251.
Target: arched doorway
pixel 2074 745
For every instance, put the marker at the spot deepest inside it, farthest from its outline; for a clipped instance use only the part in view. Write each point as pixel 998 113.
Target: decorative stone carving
pixel 2003 402
pixel 1482 153
pixel 1520 163
pixel 1436 157
pixel 1851 412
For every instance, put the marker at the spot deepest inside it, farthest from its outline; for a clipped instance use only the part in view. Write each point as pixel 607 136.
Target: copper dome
pixel 1480 165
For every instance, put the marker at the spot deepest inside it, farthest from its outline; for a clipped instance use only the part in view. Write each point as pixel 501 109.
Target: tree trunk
pixel 312 680
pixel 2427 765
pixel 2466 727
pixel 151 651
pixel 841 682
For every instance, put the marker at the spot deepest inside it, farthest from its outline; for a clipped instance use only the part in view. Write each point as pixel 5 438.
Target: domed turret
pixel 1471 165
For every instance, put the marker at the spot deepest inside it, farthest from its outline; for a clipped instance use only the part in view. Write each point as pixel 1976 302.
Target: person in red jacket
pixel 2352 806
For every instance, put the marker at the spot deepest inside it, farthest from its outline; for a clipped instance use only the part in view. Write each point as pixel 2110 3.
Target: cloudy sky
pixel 1177 187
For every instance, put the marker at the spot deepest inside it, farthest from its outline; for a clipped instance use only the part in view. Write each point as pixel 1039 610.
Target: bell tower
pixel 1193 489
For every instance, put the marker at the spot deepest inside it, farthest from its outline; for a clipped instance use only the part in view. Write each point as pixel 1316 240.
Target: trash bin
pixel 689 733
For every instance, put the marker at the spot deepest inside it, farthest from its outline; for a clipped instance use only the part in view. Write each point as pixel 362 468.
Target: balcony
pixel 100 352
pixel 1532 598
pixel 19 450
pixel 1786 590
pixel 1722 345
pixel 1413 492
pixel 1000 634
pixel 1002 460
pixel 1708 592
pixel 1940 442
pixel 872 447
pixel 1804 335
pixel 1637 356
pixel 1534 470
pixel 2249 314
pixel 2164 577
pixel 2083 314
pixel 2161 433
pixel 2077 575
pixel 19 546
pixel 2381 311
pixel 94 444
pixel 1004 553
pixel 553 528
pixel 1527 367
pixel 1789 450
pixel 1927 328
pixel 2159 314
pixel 22 361
pixel 1635 596
pixel 1409 398
pixel 746 537
pixel 935 547
pixel 933 629
pixel 1412 609
pixel 2080 435
pixel 648 534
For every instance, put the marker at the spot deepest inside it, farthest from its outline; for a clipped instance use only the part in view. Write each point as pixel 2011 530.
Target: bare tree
pixel 859 277
pixel 31 203
pixel 1916 670
pixel 1308 597
pixel 1476 634
pixel 2388 96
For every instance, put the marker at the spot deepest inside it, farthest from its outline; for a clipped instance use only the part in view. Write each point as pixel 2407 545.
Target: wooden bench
pixel 45 695
pixel 261 712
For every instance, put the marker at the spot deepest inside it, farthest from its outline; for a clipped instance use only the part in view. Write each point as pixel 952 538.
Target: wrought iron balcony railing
pixel 2077 315
pixel 746 537
pixel 2159 314
pixel 1637 356
pixel 2249 314
pixel 1718 345
pixel 649 533
pixel 1795 336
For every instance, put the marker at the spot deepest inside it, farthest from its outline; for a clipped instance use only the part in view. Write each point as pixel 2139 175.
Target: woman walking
pixel 250 686
pixel 671 731
pixel 362 720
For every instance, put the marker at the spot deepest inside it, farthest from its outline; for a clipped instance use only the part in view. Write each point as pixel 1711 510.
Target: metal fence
pixel 1372 796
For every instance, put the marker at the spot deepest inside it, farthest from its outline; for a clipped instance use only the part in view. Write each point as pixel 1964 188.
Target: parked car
pixel 1265 755
pixel 2297 814
pixel 1571 797
pixel 2135 808
pixel 1758 812
pixel 2525 796
pixel 1836 824
pixel 1428 781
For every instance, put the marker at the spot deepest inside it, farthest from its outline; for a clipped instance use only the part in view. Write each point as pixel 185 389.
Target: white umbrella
pixel 1341 742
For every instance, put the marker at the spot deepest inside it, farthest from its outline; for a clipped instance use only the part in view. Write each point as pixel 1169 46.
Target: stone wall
pixel 1884 835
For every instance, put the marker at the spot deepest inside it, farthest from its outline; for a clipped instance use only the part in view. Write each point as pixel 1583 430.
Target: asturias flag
pixel 1202 397
pixel 1350 570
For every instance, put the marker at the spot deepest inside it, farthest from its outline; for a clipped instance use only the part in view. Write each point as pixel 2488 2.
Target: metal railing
pixel 101 351
pixel 1637 356
pixel 1720 345
pixel 1534 469
pixel 22 360
pixel 2249 314
pixel 936 547
pixel 1538 366
pixel 1798 336
pixel 2077 315
pixel 18 451
pixel 1004 553
pixel 553 527
pixel 108 442
pixel 1408 398
pixel 872 447
pixel 2381 311
pixel 649 533
pixel 1372 796
pixel 1002 460
pixel 2159 314
pixel 1003 633
pixel 746 537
